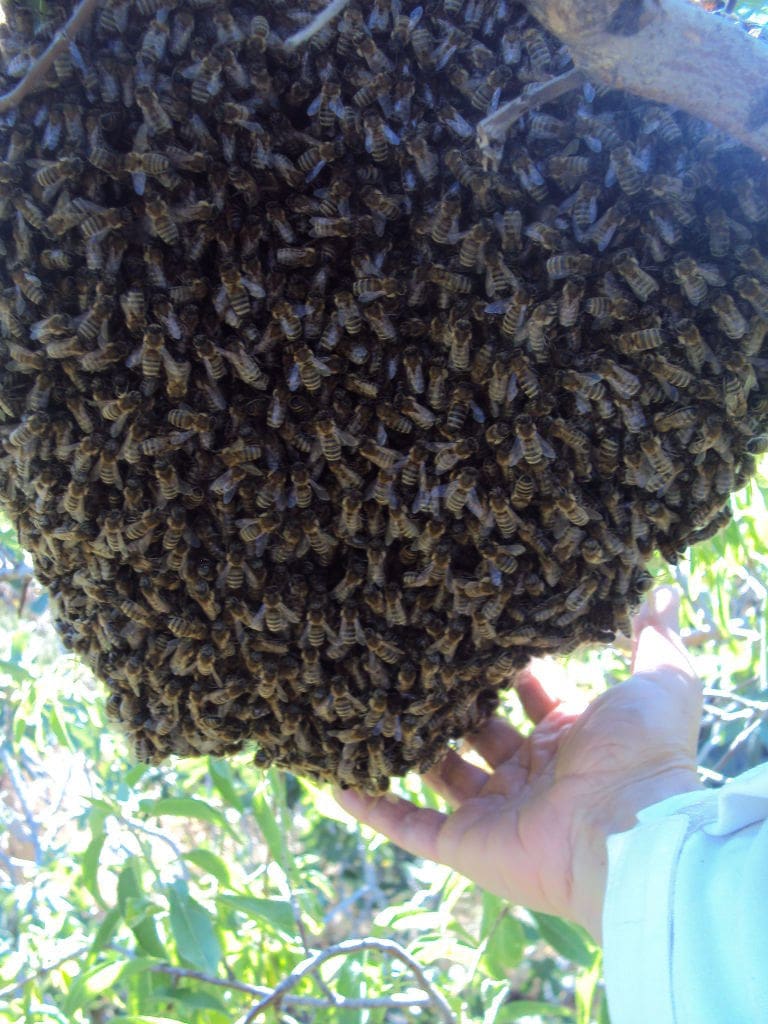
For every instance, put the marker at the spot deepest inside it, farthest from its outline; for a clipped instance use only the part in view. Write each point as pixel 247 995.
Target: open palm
pixel 531 826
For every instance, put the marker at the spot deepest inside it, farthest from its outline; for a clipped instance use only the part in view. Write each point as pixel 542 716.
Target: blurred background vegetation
pixel 200 891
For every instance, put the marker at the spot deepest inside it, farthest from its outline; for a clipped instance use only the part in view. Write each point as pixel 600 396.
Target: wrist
pixel 614 813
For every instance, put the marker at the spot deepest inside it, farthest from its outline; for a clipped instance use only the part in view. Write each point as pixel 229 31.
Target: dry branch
pixel 670 51
pixel 344 949
pixel 80 17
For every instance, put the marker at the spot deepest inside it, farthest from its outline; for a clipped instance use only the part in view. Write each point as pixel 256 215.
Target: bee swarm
pixel 317 427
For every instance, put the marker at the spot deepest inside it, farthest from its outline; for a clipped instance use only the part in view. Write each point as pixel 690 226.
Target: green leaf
pixel 106 931
pixel 135 773
pixel 278 913
pixel 585 988
pixel 137 910
pixel 58 727
pixel 198 1000
pixel 96 980
pixel 89 865
pixel 529 1008
pixel 493 908
pixel 223 780
pixel 209 862
pixel 568 939
pixel 184 807
pixel 91 983
pixel 193 930
pixel 270 830
pixel 16 672
pixel 144 1018
pixel 504 947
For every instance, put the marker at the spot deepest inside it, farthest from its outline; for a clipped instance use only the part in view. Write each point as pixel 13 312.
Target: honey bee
pixel 641 283
pixel 665 370
pixel 459 489
pixel 378 136
pixel 327 106
pixel 750 199
pixel 729 317
pixel 567 266
pixel 691 280
pixel 653 450
pixel 530 177
pixel 449 280
pixel 161 221
pixel 689 336
pixel 639 341
pixel 348 312
pixel 425 159
pixel 210 355
pixel 578 599
pixel 755 292
pixel 529 445
pixel 155 117
pixel 187 629
pixel 604 229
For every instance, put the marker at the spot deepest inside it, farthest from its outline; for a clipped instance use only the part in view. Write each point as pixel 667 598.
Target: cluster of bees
pixel 318 426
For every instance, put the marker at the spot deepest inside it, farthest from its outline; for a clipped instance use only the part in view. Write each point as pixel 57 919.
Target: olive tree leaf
pixel 193 929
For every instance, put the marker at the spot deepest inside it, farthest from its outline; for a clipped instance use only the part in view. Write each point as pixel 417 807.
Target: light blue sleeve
pixel 685 921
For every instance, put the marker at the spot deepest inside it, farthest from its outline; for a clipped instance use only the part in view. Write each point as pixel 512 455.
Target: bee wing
pixel 477 413
pixel 294 378
pixel 288 613
pixel 321 492
pixel 352 442
pixel 315 171
pixel 711 274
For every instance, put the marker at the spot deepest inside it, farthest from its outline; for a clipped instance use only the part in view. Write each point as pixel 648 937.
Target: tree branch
pixel 80 17
pixel 396 1001
pixel 669 51
pixel 492 130
pixel 343 949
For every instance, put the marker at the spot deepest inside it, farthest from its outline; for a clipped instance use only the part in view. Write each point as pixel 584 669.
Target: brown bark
pixel 670 51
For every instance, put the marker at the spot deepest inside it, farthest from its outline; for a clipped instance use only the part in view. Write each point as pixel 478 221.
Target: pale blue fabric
pixel 685 922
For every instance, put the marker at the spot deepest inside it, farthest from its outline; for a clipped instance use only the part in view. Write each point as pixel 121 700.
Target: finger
pixel 656 641
pixel 496 741
pixel 531 688
pixel 415 829
pixel 543 686
pixel 455 779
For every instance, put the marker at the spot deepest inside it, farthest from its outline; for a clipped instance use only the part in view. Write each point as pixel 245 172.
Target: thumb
pixel 656 636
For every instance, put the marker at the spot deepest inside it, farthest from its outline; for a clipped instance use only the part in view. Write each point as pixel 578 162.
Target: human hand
pixel 532 826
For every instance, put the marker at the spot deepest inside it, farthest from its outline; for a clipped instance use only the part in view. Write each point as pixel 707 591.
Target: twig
pixel 23 595
pixel 696 639
pixel 16 782
pixel 708 775
pixel 157 834
pixel 317 24
pixel 492 130
pixel 742 737
pixel 343 949
pixel 757 705
pixel 6 993
pixel 81 15
pixel 396 1001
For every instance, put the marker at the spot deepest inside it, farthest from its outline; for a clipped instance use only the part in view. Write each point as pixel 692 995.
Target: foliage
pixel 192 892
